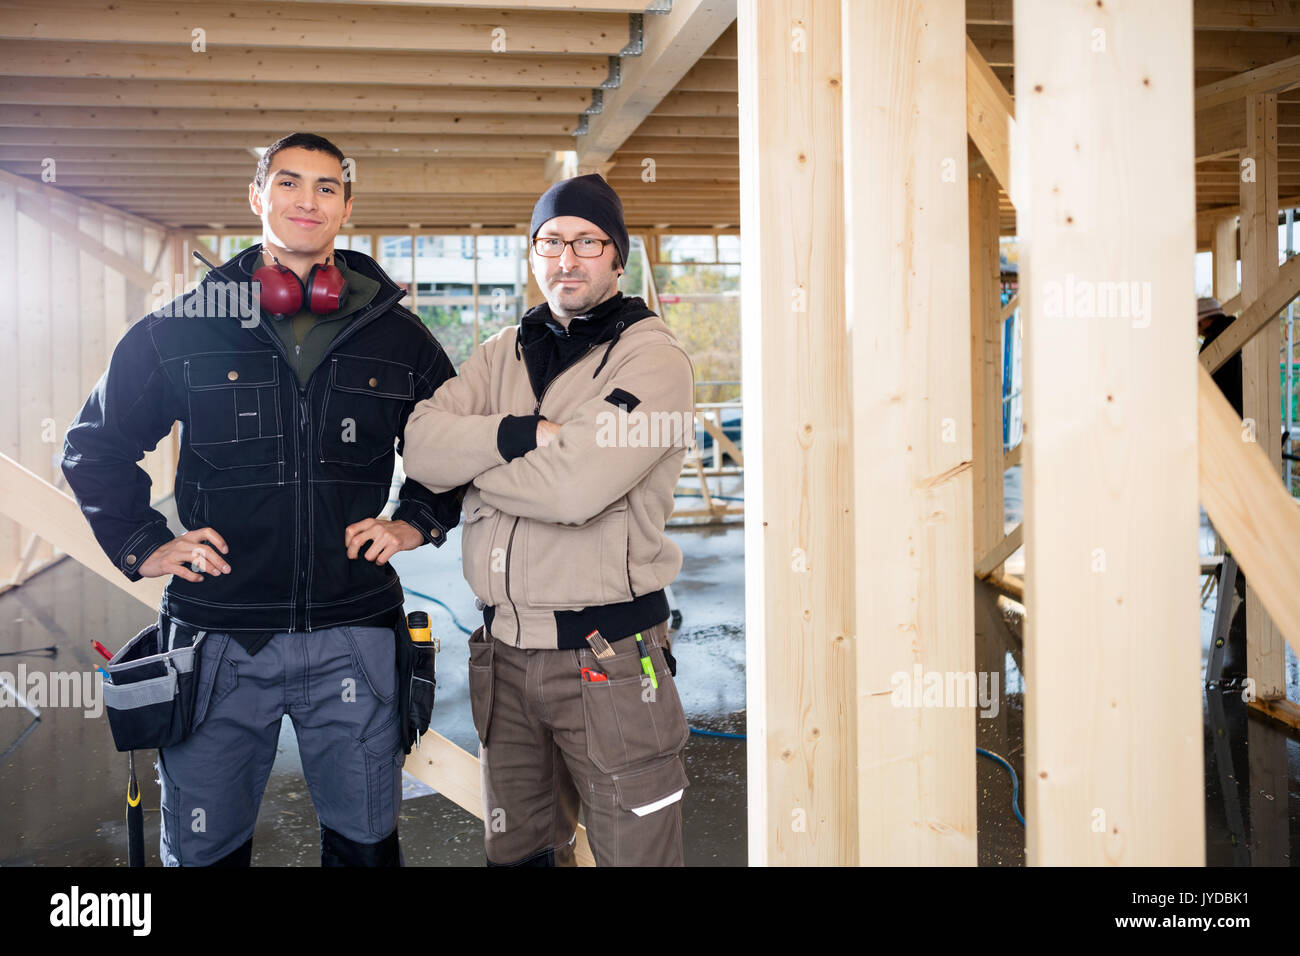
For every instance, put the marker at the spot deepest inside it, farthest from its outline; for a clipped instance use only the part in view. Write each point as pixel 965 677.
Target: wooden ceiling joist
pixel 274 122
pixel 292 65
pixel 210 139
pixel 197 94
pixel 323 26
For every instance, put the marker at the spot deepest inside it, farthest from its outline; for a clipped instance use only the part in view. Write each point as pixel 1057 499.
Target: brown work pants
pixel 553 739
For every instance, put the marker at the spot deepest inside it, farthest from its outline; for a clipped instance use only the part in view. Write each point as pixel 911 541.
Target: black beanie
pixel 588 197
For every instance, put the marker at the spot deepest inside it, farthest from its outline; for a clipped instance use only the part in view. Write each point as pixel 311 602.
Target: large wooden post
pixel 909 306
pixel 1261 398
pixel 799 469
pixel 1104 184
pixel 1224 257
pixel 986 364
pixel 1261 391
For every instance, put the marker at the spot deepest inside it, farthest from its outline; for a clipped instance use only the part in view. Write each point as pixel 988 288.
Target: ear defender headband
pixel 283 293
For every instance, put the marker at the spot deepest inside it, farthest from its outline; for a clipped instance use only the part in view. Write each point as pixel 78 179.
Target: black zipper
pixel 537 408
pixel 519 630
pixel 304 414
pixel 510 542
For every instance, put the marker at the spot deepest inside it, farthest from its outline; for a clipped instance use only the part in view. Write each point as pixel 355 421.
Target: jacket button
pixel 130 559
pixel 374 382
pixel 232 375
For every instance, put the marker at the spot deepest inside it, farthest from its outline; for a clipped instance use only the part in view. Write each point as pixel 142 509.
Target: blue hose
pixel 1015 781
pixel 717 733
pixel 430 597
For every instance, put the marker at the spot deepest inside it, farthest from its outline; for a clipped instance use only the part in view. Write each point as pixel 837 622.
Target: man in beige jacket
pixel 569 431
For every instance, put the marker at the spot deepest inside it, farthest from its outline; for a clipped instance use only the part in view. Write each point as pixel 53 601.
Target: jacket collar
pixel 243 264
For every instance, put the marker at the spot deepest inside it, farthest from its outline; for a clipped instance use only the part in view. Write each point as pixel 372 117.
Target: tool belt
pixel 150 691
pixel 416 682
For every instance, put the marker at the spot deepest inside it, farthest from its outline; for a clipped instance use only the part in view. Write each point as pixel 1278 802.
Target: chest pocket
pixel 363 408
pixel 234 409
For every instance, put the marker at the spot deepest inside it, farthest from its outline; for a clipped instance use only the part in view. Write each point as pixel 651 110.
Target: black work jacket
pixel 278 470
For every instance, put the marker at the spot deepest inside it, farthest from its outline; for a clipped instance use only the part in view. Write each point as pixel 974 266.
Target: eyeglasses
pixel 585 247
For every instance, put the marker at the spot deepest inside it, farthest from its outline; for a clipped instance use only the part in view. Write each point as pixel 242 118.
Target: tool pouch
pixel 150 691
pixel 416 682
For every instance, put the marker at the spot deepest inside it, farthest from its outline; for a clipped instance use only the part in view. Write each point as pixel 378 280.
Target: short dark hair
pixel 318 144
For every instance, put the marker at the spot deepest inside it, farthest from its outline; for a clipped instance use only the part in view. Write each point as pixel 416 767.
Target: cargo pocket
pixel 233 421
pixel 650 789
pixel 481 649
pixel 363 408
pixel 384 761
pixel 595 552
pixel 628 720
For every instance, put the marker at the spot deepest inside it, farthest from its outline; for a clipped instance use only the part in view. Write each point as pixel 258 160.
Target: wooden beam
pixel 1265 656
pixel 25 495
pixel 906 219
pixel 799 478
pixel 1224 261
pixel 292 65
pixel 1283 712
pixel 333 124
pixel 440 145
pixel 710 76
pixel 673 45
pixel 1278 16
pixel 1249 505
pixel 373 178
pixel 1273 78
pixel 1255 318
pixel 325 26
pixel 986 365
pixel 386 98
pixel 990 116
pixel 1104 155
pixel 1240 51
pixel 36 188
pixel 997 555
pixel 1221 131
pixel 589 6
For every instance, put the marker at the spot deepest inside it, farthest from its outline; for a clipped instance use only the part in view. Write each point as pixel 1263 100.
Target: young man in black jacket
pixel 286 459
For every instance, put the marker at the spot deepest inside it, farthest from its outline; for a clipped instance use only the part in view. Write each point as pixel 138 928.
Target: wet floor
pixel 62 784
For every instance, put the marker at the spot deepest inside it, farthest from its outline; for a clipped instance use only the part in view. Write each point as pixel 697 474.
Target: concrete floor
pixel 62 783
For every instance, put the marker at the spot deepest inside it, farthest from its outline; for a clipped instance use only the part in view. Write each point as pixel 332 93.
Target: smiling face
pixel 574 286
pixel 301 204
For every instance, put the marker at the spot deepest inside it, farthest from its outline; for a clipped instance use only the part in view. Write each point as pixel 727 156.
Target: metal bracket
pixel 636 41
pixel 660 6
pixel 597 102
pixel 615 75
pixel 581 129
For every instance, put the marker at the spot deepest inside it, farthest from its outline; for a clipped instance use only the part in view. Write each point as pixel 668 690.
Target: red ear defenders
pixel 283 293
